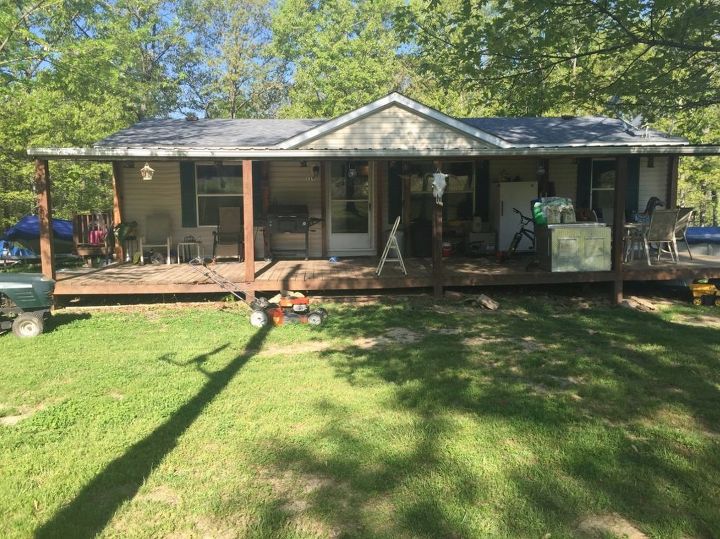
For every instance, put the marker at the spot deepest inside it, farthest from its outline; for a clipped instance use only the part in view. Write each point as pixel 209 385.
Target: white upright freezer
pixel 504 196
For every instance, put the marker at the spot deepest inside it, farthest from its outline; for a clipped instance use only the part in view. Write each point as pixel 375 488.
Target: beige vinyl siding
pixel 161 195
pixel 289 184
pixel 525 169
pixel 653 181
pixel 395 128
pixel 563 173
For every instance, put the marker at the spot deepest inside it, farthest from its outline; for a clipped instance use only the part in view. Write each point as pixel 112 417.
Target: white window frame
pixel 592 177
pixel 198 195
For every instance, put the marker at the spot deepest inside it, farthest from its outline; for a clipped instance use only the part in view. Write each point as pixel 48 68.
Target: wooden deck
pixel 355 274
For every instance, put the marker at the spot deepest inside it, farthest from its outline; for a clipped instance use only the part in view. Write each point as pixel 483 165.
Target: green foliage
pixel 341 54
pixel 534 57
pixel 230 73
pixel 699 185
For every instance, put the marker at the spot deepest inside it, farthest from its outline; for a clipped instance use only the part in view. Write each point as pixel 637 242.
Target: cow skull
pixel 439 182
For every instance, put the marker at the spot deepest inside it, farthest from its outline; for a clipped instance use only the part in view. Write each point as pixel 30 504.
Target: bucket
pixel 447 249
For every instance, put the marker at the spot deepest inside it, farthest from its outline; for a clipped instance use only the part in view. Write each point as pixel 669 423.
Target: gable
pixel 396 128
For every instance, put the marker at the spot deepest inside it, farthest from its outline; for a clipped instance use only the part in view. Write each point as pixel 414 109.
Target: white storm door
pixel 350 211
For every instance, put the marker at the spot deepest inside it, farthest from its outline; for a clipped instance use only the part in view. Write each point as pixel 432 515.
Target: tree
pixel 230 73
pixel 699 177
pixel 341 54
pixel 537 56
pixel 74 72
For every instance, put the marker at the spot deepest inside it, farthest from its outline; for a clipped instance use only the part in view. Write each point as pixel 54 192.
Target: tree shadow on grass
pixel 58 320
pixel 583 402
pixel 94 506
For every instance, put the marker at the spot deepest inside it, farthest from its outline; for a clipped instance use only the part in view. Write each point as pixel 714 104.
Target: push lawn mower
pixel 283 309
pixel 287 310
pixel 25 301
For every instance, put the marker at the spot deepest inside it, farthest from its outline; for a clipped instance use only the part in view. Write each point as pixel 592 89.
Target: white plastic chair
pixel 157 235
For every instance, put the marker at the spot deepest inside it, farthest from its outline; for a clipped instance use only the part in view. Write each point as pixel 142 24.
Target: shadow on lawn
pixel 91 510
pixel 59 320
pixel 581 401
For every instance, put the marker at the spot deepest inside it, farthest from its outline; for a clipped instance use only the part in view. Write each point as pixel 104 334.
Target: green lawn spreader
pixel 25 301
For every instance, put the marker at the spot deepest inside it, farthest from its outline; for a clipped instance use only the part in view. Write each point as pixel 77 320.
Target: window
pixel 217 186
pixel 459 198
pixel 602 189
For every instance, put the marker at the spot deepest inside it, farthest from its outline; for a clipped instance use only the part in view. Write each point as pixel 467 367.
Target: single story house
pixel 350 178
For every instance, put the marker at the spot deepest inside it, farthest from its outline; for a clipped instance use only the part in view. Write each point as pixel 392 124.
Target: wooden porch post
pixel 117 210
pixel 248 221
pixel 380 187
pixel 672 181
pixel 323 208
pixel 42 187
pixel 406 214
pixel 621 178
pixel 437 251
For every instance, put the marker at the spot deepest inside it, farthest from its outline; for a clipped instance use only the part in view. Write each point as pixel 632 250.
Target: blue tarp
pixel 11 251
pixel 703 234
pixel 28 228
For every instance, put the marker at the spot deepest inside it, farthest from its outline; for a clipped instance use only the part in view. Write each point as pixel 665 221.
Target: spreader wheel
pixel 27 325
pixel 258 319
pixel 697 301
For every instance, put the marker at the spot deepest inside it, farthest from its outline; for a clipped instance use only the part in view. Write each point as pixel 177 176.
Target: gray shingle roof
pixel 577 130
pixel 215 133
pixel 266 133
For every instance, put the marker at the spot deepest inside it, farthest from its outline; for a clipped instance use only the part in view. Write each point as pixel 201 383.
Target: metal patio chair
pixel 228 238
pixel 681 226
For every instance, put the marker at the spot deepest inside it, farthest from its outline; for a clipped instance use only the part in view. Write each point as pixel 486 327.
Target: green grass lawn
pixel 542 418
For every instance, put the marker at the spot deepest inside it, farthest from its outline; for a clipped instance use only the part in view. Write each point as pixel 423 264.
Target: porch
pixel 358 274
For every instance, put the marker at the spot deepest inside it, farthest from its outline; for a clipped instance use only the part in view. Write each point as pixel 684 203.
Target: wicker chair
pixel 662 232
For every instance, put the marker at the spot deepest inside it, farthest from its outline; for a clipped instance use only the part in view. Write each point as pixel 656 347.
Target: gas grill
pixel 290 219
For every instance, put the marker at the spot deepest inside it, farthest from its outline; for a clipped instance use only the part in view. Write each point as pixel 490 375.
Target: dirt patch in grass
pixel 480 341
pixel 297 348
pixel 678 420
pixel 220 528
pixel 393 336
pixel 19 414
pixel 162 494
pixel 600 526
pixel 699 320
pixel 449 331
pixel 531 344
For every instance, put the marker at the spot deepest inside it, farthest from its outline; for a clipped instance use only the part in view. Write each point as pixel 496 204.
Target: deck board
pixel 355 273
